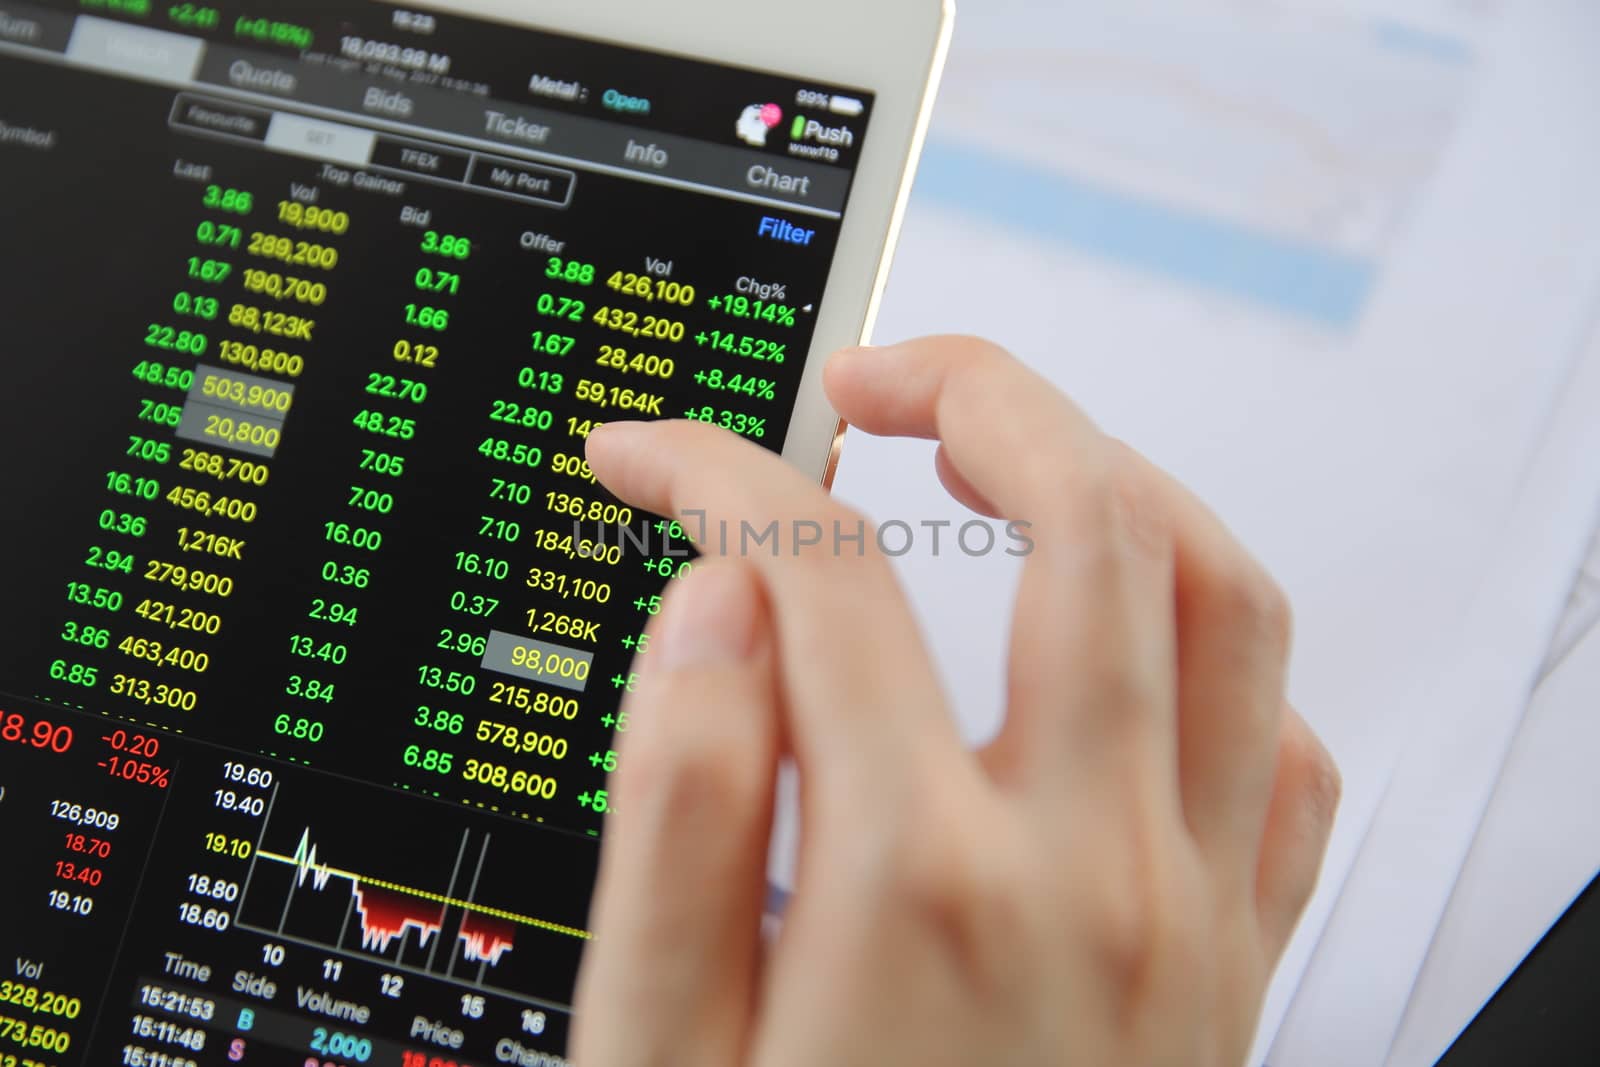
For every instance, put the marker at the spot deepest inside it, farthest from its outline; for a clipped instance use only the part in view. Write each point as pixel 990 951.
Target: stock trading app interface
pixel 316 625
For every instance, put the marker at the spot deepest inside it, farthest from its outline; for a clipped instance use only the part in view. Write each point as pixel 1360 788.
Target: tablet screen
pixel 314 624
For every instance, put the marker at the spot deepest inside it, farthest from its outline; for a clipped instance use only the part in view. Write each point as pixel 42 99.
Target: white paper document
pixel 1352 998
pixel 1537 849
pixel 1325 264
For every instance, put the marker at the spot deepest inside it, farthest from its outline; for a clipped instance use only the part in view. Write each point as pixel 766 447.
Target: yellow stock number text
pixel 294 253
pixel 521 783
pixel 150 694
pixel 189 579
pixel 310 217
pixel 525 700
pixel 522 741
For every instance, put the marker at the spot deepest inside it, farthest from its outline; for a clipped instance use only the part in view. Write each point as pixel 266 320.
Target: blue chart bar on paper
pixel 1319 284
pixel 1435 46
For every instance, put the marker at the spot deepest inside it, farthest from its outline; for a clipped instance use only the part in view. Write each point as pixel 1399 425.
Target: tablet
pixel 316 625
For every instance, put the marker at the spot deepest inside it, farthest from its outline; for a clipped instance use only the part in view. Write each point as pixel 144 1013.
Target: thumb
pixel 672 973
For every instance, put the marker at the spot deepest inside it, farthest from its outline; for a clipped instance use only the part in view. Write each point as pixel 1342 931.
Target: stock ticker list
pixel 317 624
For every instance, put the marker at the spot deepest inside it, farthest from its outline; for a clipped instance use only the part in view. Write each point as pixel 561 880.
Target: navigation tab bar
pixel 398 109
pixel 391 122
pixel 557 137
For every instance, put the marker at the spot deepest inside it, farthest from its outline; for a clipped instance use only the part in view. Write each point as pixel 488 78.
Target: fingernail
pixel 612 438
pixel 619 432
pixel 874 362
pixel 711 619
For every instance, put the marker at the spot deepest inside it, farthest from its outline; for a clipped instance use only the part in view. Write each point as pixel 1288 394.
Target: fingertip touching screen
pixel 317 626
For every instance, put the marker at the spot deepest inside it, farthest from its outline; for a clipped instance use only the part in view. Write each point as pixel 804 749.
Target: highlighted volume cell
pixel 236 411
pixel 538 661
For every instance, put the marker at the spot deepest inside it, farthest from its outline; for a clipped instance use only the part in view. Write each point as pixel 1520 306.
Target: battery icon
pixel 846 105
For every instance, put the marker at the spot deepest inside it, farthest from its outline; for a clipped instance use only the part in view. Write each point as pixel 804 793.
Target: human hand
pixel 1110 883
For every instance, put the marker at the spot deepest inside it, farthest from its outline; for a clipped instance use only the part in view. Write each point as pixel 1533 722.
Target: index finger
pixel 862 700
pixel 998 420
pixel 1091 678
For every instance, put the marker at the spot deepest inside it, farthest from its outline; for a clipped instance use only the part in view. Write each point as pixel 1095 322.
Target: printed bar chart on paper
pixel 1268 153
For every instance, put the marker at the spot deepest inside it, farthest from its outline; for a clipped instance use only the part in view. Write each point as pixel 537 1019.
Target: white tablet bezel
pixel 894 48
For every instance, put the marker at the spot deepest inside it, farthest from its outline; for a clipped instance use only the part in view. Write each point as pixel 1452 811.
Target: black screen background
pixel 97 235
